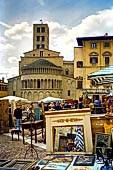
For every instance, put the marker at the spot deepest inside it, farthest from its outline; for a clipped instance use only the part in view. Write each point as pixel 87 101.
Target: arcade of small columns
pixel 57 71
pixel 41 84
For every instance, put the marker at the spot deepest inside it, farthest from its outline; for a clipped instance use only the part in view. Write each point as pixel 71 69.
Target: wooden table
pixel 35 125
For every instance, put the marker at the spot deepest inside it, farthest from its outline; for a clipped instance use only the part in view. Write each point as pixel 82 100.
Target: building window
pixel 33 54
pixel 43 38
pixel 41 53
pixel 79 64
pixel 106 60
pixel 14 93
pixel 38 29
pixel 52 84
pixel 79 84
pixel 68 92
pixel 67 72
pixel 93 60
pixel 93 45
pixel 43 29
pixel 43 45
pixel 38 38
pixel 38 46
pixel 38 83
pixel 106 44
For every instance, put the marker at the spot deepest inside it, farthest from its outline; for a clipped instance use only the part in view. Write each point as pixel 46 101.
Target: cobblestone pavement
pixel 16 149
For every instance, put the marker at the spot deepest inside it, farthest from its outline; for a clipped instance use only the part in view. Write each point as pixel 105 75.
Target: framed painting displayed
pixel 56 166
pixel 20 164
pixel 102 140
pixel 62 159
pixel 85 168
pixel 69 139
pixel 84 160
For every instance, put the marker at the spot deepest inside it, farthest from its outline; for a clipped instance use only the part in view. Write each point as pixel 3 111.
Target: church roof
pixel 40 63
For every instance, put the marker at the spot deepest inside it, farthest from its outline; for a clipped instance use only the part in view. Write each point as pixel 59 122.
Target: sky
pixel 67 20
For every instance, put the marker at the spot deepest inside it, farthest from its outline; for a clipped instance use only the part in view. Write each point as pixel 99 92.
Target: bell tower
pixel 40 36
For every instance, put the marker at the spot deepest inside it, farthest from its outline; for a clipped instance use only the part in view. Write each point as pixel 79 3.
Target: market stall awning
pixel 50 99
pixel 104 72
pixel 15 98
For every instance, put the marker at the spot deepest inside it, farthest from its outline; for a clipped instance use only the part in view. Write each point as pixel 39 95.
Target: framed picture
pixel 42 162
pixel 84 160
pixel 20 164
pixel 69 139
pixel 56 166
pixel 85 168
pixel 102 140
pixel 62 159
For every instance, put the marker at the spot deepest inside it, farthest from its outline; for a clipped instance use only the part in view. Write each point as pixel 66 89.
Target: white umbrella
pixel 50 99
pixel 16 99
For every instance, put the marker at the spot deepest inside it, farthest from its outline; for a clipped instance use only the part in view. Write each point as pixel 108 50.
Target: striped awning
pixel 101 73
pixel 102 77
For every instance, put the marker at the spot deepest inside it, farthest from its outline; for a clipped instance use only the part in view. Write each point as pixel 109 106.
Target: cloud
pixel 13 60
pixel 6 47
pixel 4 24
pixel 41 2
pixel 18 31
pixel 63 39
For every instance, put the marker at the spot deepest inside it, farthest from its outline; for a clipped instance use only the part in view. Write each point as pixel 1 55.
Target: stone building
pixel 3 88
pixel 43 72
pixel 91 55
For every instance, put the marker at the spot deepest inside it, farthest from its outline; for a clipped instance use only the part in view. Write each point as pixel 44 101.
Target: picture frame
pixel 84 160
pixel 102 140
pixel 56 166
pixel 3 162
pixel 62 159
pixel 23 164
pixel 85 168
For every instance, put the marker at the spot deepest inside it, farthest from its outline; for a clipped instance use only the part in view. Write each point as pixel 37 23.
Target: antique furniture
pixel 16 131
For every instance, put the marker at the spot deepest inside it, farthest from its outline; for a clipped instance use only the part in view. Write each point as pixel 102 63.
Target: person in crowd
pixel 18 116
pixel 66 105
pixel 57 106
pixel 51 106
pixel 91 106
pixel 76 104
pixel 80 104
pixel 31 113
pixel 46 107
pixel 99 103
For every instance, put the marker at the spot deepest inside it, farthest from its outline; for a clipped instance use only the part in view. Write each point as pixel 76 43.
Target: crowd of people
pixel 101 105
pixel 60 106
pixel 106 105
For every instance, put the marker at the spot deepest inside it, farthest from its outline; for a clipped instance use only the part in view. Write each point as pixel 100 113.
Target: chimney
pixel 106 34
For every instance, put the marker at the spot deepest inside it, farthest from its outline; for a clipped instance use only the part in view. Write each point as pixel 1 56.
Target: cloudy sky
pixel 67 19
